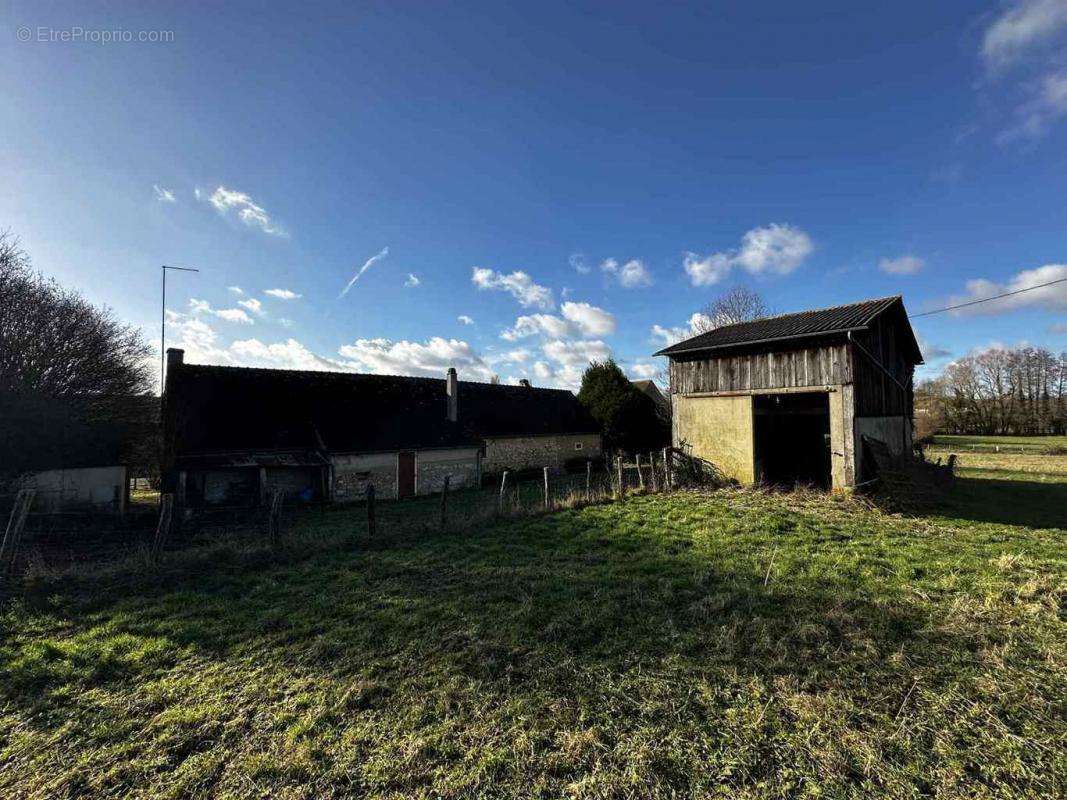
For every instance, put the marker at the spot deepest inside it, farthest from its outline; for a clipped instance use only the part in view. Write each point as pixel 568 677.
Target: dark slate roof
pixel 227 409
pixel 801 325
pixel 42 433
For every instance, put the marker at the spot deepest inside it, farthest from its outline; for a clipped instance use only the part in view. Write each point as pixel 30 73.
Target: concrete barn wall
pixel 98 488
pixel 719 430
pixel 431 467
pixel 352 473
pixel 894 432
pixel 529 452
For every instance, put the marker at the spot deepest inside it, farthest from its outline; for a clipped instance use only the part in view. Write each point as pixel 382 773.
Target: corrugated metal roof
pixel 836 319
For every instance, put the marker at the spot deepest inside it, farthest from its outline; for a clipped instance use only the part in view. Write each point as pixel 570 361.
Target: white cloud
pixel 777 249
pixel 283 294
pixel 579 352
pixel 631 275
pixel 1034 118
pixel 253 305
pixel 412 281
pixel 642 371
pixel 931 352
pixel 234 315
pixel 1025 24
pixel 518 284
pixel 430 358
pixel 197 306
pixel 537 324
pixel 516 356
pixel 463 319
pixel 370 262
pixel 1058 327
pixel 237 290
pixel 903 265
pixel 225 200
pixel 669 336
pixel 164 195
pixel 289 354
pixel 590 320
pixel 1052 298
pixel 577 261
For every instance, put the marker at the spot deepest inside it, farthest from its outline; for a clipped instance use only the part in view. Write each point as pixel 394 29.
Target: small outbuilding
pixel 798 398
pixel 234 435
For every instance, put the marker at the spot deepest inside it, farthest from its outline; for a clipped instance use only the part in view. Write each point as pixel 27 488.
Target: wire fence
pixel 50 542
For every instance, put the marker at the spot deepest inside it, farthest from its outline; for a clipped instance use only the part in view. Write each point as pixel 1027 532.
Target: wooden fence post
pixel 166 512
pixel 503 489
pixel 9 548
pixel 640 475
pixel 588 477
pixel 274 519
pixel 667 477
pixel 370 510
pixel 619 488
pixel 548 497
pixel 444 501
pixel 652 471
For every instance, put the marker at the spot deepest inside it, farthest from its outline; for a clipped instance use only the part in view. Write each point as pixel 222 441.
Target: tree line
pixel 1020 391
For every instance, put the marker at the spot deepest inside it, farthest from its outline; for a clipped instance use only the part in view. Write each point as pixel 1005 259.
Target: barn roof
pixel 785 327
pixel 226 409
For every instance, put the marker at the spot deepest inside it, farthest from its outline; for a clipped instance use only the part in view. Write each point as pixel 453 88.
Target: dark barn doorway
pixel 405 475
pixel 792 434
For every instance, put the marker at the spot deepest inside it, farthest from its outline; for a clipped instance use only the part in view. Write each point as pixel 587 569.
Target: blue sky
pixel 563 181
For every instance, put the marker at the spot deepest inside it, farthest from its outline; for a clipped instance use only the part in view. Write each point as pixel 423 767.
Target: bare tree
pixel 55 343
pixel 740 304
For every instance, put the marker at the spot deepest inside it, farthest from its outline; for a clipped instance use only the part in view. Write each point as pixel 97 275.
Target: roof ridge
pixel 284 371
pixel 812 311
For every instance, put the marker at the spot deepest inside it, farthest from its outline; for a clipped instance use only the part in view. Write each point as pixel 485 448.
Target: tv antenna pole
pixel 163 323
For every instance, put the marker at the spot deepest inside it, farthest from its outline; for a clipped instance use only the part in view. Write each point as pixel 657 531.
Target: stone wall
pixel 351 474
pixel 461 466
pixel 533 452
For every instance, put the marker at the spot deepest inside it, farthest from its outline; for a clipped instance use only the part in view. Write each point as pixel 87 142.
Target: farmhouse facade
pixel 234 435
pixel 799 397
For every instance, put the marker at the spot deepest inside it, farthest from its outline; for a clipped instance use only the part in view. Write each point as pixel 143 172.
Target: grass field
pixel 737 644
pixel 1008 443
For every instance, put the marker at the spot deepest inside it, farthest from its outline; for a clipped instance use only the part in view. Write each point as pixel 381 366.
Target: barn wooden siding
pixel 878 394
pixel 809 366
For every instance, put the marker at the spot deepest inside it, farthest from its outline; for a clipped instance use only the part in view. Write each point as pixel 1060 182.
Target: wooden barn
pixel 798 398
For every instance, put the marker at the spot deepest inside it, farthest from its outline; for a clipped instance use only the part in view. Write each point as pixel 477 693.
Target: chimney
pixel 175 355
pixel 452 390
pixel 524 382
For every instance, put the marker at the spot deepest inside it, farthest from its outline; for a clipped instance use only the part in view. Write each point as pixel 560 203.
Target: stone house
pixel 798 397
pixel 233 435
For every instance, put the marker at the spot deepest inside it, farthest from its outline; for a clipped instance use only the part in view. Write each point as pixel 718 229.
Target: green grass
pixel 738 644
pixel 1015 443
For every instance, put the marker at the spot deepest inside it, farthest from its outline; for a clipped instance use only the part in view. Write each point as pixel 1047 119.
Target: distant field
pixel 1028 443
pixel 739 643
pixel 1015 461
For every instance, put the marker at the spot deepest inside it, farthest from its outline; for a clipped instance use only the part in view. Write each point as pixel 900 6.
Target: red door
pixel 405 475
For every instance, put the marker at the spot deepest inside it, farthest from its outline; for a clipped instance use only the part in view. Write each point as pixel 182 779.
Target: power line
pixel 986 299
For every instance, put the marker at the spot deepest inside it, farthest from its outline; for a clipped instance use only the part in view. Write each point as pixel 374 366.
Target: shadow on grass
pixel 517 602
pixel 1009 502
